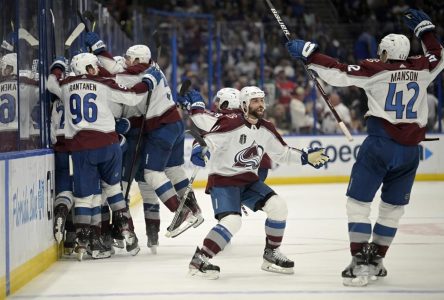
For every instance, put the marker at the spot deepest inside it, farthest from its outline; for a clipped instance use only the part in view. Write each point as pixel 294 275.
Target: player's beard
pixel 258 113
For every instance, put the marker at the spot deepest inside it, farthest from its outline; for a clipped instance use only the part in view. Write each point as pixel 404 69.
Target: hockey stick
pixel 29 38
pixel 82 19
pixel 74 35
pixel 204 146
pixel 92 19
pixel 312 77
pixel 137 149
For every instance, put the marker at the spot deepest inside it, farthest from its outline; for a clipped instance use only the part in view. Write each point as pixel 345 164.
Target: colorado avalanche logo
pixel 249 157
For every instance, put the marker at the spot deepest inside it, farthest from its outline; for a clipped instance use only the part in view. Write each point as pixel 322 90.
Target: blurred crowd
pixel 293 104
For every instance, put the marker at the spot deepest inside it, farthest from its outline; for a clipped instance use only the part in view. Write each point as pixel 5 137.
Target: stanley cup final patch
pixel 242 139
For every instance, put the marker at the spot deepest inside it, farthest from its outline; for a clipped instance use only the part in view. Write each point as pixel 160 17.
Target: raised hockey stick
pixel 312 77
pixel 29 38
pixel 92 19
pixel 203 144
pixel 82 19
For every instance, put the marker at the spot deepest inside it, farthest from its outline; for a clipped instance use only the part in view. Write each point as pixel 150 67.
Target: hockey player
pixel 226 102
pixel 9 106
pixel 237 143
pixel 95 148
pixel 396 88
pixel 163 144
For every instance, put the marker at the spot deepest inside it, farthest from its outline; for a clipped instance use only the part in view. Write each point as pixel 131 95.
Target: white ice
pixel 316 239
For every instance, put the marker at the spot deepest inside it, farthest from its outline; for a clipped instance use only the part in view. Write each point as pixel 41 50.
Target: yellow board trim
pixel 33 267
pixel 323 179
pixel 3 288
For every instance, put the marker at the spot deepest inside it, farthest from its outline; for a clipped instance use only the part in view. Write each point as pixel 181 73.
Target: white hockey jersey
pixel 237 148
pixel 396 91
pixel 89 122
pixel 162 108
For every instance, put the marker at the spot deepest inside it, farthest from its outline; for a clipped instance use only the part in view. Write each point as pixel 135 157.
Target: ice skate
pixel 82 242
pixel 60 214
pixel 200 266
pixel 70 243
pixel 107 242
pixel 152 233
pixel 358 271
pixel 117 236
pixel 376 267
pixel 132 243
pixel 184 221
pixel 98 250
pixel 275 261
pixel 191 202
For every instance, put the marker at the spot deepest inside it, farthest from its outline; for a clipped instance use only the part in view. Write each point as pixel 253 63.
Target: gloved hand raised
pixel 93 41
pixel 60 63
pixel 200 155
pixel 315 157
pixel 152 77
pixel 123 125
pixel 192 100
pixel 418 21
pixel 301 49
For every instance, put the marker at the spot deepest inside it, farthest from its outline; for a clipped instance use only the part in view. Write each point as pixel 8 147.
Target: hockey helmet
pixel 141 52
pixel 83 60
pixel 9 60
pixel 248 93
pixel 397 46
pixel 228 98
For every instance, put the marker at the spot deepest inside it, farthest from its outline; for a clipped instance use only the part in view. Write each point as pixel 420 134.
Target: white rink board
pixel 342 156
pixel 2 223
pixel 30 201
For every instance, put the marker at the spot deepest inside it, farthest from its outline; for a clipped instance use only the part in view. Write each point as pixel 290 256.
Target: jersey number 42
pixel 394 101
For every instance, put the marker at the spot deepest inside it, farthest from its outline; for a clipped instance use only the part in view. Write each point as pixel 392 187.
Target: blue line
pixel 7 256
pixel 264 292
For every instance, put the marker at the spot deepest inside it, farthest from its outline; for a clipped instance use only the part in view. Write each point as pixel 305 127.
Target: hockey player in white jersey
pixel 396 88
pixel 237 143
pixel 94 144
pixel 9 103
pixel 163 144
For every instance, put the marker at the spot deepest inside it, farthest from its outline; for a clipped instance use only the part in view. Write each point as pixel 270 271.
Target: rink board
pixel 342 155
pixel 27 188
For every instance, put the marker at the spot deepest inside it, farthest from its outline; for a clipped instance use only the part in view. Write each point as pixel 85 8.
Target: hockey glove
pixel 152 77
pixel 123 143
pixel 200 155
pixel 60 63
pixel 123 125
pixel 301 49
pixel 93 41
pixel 194 100
pixel 418 21
pixel 315 157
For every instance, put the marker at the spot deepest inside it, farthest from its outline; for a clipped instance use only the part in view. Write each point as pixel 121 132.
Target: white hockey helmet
pixel 120 60
pixel 142 52
pixel 248 93
pixel 81 61
pixel 228 98
pixel 10 60
pixel 397 46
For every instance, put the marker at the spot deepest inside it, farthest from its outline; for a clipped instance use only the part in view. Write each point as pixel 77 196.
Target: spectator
pixel 300 121
pixel 329 124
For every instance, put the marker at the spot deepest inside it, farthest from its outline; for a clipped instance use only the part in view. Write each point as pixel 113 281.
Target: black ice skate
pixel 132 243
pixel 83 234
pixel 119 241
pixel 376 267
pixel 152 233
pixel 97 248
pixel 191 202
pixel 60 214
pixel 200 266
pixel 275 261
pixel 70 243
pixel 184 220
pixel 358 271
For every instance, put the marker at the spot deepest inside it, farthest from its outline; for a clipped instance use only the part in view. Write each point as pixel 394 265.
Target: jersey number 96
pixel 83 108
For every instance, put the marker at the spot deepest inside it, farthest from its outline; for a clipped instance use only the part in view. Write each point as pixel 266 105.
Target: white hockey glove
pixel 315 157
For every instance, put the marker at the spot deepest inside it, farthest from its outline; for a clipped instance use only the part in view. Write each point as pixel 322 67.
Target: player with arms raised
pixel 237 143
pixel 396 88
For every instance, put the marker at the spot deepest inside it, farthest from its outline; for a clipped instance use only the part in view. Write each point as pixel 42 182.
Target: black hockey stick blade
pixel 92 19
pixel 185 87
pixel 430 139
